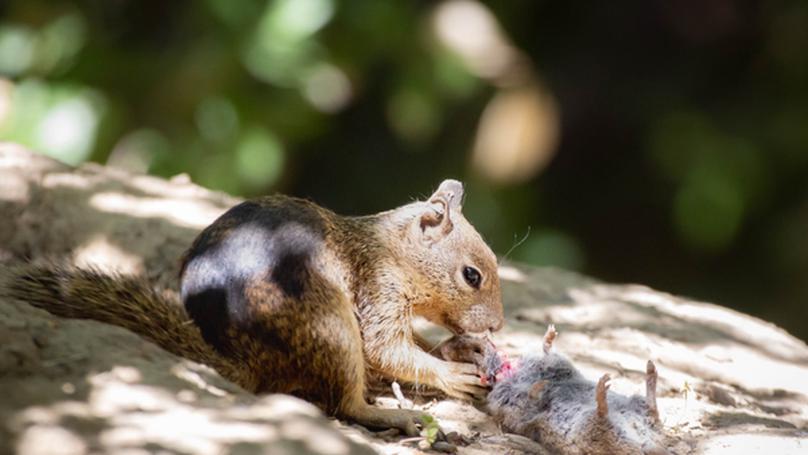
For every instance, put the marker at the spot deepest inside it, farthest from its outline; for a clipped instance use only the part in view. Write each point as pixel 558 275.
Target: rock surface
pixel 729 383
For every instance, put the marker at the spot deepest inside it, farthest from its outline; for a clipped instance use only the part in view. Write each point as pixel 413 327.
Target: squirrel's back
pixel 261 251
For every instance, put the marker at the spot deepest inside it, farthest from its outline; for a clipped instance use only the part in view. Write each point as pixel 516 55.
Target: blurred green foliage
pixel 681 161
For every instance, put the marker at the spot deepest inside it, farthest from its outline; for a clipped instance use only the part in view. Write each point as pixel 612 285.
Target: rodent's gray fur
pixel 548 400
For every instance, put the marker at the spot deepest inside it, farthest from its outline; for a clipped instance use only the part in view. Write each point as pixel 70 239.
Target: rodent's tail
pixel 126 301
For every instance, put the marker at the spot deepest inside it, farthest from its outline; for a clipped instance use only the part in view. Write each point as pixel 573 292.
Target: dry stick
pixel 403 402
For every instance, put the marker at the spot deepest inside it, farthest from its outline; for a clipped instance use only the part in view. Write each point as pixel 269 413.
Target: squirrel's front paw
pixel 462 381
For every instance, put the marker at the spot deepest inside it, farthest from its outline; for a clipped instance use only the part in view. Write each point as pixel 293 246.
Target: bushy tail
pixel 126 301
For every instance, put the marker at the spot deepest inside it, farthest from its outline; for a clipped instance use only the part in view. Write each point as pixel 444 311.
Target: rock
pixel 727 381
pixel 445 447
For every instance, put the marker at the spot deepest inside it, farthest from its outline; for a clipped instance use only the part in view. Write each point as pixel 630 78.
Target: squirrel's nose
pixel 497 325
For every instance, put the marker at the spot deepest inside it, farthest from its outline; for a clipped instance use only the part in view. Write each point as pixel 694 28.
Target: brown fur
pixel 129 302
pixel 318 329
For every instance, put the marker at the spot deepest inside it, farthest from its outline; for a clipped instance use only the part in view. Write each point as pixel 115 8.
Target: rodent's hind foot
pixel 650 390
pixel 549 337
pixel 405 420
pixel 600 396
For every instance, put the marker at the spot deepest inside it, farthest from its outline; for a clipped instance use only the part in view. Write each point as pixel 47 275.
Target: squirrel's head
pixel 457 284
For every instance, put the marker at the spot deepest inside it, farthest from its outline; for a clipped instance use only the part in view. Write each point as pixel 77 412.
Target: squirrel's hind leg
pixel 332 365
pixel 348 381
pixel 371 416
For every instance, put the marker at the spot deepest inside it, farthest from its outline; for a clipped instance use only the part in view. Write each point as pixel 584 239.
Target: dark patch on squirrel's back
pixel 291 273
pixel 259 245
pixel 208 309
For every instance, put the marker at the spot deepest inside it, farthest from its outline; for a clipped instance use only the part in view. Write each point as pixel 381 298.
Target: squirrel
pixel 544 397
pixel 280 295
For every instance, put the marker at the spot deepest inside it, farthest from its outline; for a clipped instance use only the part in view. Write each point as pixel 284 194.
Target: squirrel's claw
pixel 463 382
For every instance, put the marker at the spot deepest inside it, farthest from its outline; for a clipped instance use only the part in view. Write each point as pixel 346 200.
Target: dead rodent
pixel 290 297
pixel 545 398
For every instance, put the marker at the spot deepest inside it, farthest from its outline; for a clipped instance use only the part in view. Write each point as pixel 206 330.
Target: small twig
pixel 403 402
pixel 412 439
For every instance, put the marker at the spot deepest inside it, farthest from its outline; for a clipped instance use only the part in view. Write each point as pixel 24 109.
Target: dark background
pixel 658 142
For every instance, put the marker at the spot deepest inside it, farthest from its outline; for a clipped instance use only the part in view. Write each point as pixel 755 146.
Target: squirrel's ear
pixel 435 222
pixel 451 193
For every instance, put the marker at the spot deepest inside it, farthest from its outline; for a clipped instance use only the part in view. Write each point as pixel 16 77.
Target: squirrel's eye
pixel 472 277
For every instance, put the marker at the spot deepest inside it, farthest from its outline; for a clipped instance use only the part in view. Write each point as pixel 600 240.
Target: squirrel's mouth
pixel 456 329
pixel 453 327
